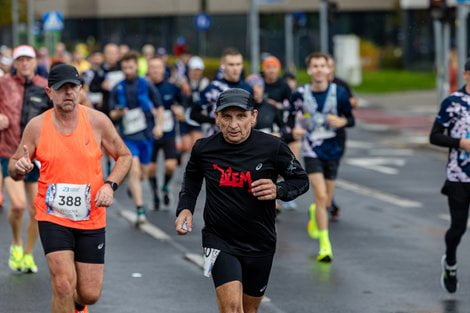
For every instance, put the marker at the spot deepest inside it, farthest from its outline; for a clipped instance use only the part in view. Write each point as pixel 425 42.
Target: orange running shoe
pixel 85 310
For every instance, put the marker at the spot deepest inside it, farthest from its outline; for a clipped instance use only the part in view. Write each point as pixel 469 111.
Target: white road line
pixel 378 164
pixel 147 228
pixel 359 144
pixel 377 194
pixel 446 217
pixel 391 152
pixel 194 258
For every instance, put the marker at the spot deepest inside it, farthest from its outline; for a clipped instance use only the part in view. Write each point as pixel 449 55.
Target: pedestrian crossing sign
pixel 53 21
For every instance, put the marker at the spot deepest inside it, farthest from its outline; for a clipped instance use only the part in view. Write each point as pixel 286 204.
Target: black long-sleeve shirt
pixel 235 220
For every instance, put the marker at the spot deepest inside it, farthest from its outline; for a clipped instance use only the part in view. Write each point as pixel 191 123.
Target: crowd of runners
pixel 126 106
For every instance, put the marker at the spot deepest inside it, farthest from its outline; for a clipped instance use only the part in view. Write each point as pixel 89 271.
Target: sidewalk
pixel 405 118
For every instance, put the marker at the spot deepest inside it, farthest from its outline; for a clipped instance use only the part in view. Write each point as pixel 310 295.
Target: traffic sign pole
pixel 462 35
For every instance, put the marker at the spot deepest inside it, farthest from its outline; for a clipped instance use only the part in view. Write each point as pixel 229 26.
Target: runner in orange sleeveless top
pixel 87 177
pixel 72 198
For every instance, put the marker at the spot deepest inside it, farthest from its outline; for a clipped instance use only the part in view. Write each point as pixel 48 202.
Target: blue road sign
pixel 463 1
pixel 53 21
pixel 202 21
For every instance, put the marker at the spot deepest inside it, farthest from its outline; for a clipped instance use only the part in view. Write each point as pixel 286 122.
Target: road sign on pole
pixel 202 21
pixel 53 21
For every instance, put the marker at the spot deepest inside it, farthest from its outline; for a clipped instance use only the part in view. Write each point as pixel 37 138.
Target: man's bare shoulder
pixel 97 119
pixel 35 124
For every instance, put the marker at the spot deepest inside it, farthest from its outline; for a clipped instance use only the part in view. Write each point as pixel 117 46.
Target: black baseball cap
pixel 467 65
pixel 235 97
pixel 61 74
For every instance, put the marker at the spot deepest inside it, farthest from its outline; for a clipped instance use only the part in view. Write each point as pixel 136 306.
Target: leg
pixel 227 277
pixel 256 271
pixel 330 190
pixel 89 282
pixel 134 181
pixel 32 231
pixel 63 280
pixel 251 304
pixel 320 194
pixel 16 192
pixel 458 208
pixel 230 297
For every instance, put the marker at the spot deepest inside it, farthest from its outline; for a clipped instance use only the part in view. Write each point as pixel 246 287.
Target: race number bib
pixel 319 129
pixel 114 78
pixel 71 201
pixel 168 121
pixel 134 121
pixel 210 255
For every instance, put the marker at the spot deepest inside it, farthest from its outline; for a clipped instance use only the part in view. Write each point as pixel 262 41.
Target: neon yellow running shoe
pixel 28 264
pixel 325 255
pixel 312 227
pixel 16 258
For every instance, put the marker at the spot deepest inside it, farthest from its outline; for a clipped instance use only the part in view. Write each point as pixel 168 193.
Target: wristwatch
pixel 113 185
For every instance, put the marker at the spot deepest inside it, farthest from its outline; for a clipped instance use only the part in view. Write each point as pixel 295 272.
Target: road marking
pixel 194 258
pixel 147 227
pixel 391 152
pixel 378 164
pixel 359 144
pixel 446 217
pixel 377 194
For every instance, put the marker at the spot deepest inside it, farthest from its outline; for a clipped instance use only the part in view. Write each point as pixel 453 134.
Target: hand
pixel 465 144
pixel 336 121
pixel 104 196
pixel 24 165
pixel 106 85
pixel 184 222
pixel 178 111
pixel 297 133
pixel 264 189
pixel 4 122
pixel 157 132
pixel 274 103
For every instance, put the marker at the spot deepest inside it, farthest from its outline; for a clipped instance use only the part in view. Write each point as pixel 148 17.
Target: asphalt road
pixel 387 247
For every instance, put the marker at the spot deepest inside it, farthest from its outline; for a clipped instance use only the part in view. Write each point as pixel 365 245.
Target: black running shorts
pixel 252 272
pixel 88 245
pixel 168 145
pixel 329 168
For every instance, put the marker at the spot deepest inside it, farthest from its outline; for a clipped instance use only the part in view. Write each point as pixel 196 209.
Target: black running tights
pixel 458 207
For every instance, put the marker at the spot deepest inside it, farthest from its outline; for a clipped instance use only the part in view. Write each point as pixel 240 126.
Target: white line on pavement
pixel 377 194
pixel 446 217
pixel 147 228
pixel 194 258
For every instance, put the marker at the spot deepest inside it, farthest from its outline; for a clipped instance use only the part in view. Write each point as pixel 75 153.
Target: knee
pixel 90 296
pixel 232 307
pixel 17 209
pixel 62 287
pixel 322 199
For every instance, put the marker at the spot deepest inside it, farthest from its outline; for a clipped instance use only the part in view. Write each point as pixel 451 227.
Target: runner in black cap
pixel 240 166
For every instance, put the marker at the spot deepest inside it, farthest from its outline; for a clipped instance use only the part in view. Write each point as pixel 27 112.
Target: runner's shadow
pixel 450 306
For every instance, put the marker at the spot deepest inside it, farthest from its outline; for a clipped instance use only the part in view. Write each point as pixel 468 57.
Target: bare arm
pixel 20 163
pixel 113 144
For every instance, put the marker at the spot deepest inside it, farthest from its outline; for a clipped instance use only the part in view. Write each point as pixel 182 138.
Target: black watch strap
pixel 113 185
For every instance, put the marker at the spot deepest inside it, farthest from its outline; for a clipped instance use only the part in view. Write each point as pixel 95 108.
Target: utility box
pixel 348 58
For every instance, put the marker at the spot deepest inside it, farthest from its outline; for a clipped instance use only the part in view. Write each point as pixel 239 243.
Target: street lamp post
pixel 14 22
pixel 254 36
pixel 324 26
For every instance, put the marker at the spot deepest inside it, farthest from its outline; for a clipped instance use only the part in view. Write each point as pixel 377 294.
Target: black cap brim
pixel 238 105
pixel 66 81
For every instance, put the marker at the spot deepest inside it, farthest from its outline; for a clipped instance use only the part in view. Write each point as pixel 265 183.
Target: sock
pixel 154 184
pixel 79 307
pixel 324 240
pixel 167 180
